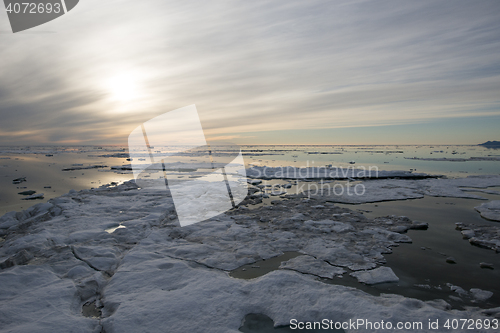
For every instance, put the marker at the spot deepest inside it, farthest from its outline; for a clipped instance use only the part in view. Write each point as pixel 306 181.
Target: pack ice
pixel 114 259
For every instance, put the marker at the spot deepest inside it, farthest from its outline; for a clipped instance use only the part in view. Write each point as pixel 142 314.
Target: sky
pixel 259 72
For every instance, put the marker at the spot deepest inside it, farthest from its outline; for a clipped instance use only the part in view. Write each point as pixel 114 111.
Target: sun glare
pixel 123 88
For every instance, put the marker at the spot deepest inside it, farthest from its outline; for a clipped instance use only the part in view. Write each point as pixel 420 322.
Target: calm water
pixel 44 173
pixel 416 266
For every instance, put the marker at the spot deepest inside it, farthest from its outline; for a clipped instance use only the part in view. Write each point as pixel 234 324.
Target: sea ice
pixel 81 167
pixel 375 276
pixel 375 190
pixel 33 196
pixel 486 236
pixel 311 173
pixel 27 192
pixel 35 299
pixel 378 185
pixel 490 210
pixel 480 295
pixel 441 159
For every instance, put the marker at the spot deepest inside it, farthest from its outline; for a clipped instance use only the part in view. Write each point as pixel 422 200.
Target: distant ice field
pixel 91 166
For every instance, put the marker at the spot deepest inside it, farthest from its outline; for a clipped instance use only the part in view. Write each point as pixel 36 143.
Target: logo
pixel 26 14
pixel 204 179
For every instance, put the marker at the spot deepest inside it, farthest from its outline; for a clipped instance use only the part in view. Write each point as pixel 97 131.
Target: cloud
pixel 250 66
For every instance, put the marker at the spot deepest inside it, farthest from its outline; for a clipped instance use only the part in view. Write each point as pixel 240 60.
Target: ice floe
pixel 326 172
pixel 33 298
pixel 490 210
pixel 59 258
pixel 442 159
pixel 480 295
pixel 365 186
pixel 81 167
pixel 27 192
pixel 375 276
pixel 33 196
pixel 400 189
pixel 19 180
pixel 486 236
pixel 310 265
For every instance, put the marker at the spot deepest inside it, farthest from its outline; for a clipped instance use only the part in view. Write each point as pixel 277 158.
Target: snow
pixel 124 167
pixel 375 276
pixel 490 210
pixel 459 290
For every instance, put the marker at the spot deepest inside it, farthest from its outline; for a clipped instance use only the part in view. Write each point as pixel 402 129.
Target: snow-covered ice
pixel 375 185
pixel 153 275
pixel 402 189
pixel 486 236
pixel 442 159
pixel 33 196
pixel 490 210
pixel 326 172
pixel 310 265
pixel 375 276
pixel 81 167
pixel 477 295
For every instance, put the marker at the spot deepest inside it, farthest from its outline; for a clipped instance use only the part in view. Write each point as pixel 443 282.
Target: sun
pixel 123 88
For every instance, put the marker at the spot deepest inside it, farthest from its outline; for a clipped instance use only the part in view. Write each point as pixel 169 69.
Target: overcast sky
pixel 286 72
